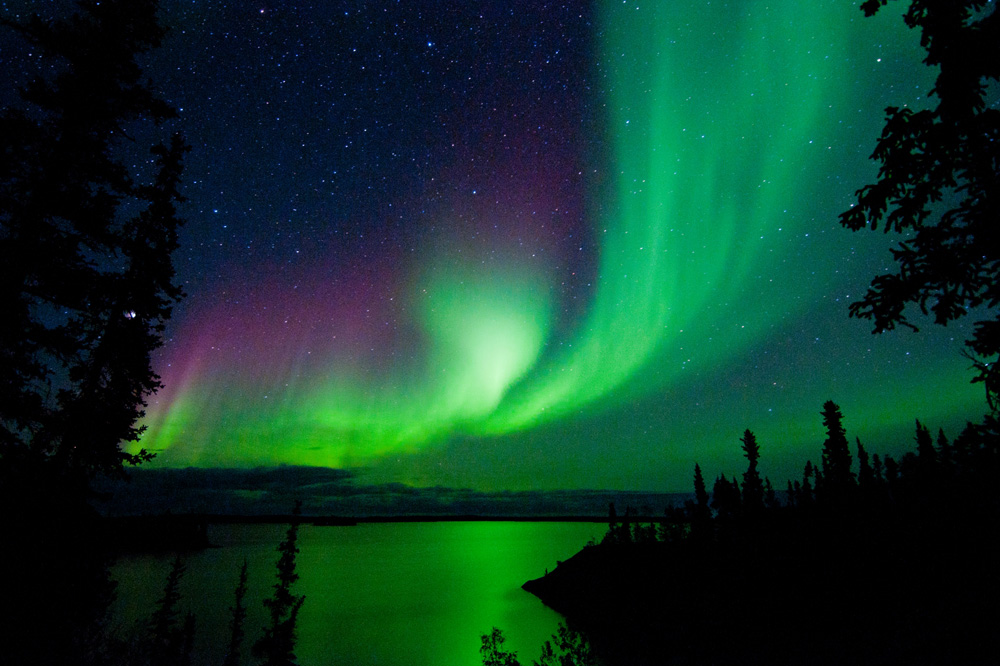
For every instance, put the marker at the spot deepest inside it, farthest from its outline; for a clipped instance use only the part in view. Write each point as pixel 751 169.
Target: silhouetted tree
pixel 805 497
pixel 944 452
pixel 170 640
pixel 877 471
pixel 770 497
pixel 837 477
pixel 866 475
pixel 277 645
pixel 614 526
pixel 87 227
pixel 825 561
pixel 571 649
pixel 700 492
pixel 891 474
pixel 753 487
pixel 674 523
pixel 567 647
pixel 625 531
pixel 187 640
pixel 644 533
pixel 938 185
pixel 701 514
pixel 926 455
pixel 86 284
pixel 236 630
pixel 726 498
pixel 492 651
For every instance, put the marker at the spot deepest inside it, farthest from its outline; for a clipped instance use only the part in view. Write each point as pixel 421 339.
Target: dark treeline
pixel 864 559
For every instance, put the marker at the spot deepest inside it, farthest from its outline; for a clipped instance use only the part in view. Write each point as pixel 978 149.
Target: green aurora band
pixel 733 132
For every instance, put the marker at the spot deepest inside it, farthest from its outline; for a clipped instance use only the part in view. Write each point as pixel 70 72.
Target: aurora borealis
pixel 542 247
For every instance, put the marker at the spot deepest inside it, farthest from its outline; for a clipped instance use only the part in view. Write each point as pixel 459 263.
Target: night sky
pixel 535 245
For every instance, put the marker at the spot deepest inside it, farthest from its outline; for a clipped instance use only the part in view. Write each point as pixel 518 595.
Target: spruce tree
pixel 613 525
pixel 837 478
pixel 700 492
pixel 726 498
pixel 770 497
pixel 86 284
pixel 170 641
pixel 944 451
pixel 625 531
pixel 87 227
pixel 753 486
pixel 878 471
pixel 236 630
pixel 701 514
pixel 277 646
pixel 866 475
pixel 805 496
pixel 891 474
pixel 926 455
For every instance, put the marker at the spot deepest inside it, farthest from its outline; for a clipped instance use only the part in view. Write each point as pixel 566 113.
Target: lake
pixel 406 594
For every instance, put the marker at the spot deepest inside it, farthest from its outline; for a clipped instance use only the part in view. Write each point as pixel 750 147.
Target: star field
pixel 533 245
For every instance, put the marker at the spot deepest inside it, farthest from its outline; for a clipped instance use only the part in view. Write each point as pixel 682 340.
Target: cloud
pixel 336 492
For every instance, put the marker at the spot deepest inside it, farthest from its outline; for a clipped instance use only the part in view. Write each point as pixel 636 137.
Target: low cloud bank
pixel 337 492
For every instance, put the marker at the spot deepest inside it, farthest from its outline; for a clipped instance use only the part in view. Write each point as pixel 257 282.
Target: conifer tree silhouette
pixel 806 496
pixel 878 471
pixel 86 283
pixel 866 474
pixel 614 527
pixel 236 630
pixel 726 499
pixel 700 492
pixel 926 454
pixel 701 514
pixel 277 645
pixel 837 478
pixel 944 452
pixel 86 287
pixel 170 641
pixel 770 496
pixel 753 487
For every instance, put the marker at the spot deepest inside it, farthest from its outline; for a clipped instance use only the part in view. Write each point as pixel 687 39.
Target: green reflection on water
pixel 388 594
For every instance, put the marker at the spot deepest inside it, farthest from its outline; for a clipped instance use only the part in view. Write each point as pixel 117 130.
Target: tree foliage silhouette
pixel 726 498
pixel 236 630
pixel 700 511
pixel 568 647
pixel 171 641
pixel 866 473
pixel 890 550
pixel 87 280
pixel 571 648
pixel 938 185
pixel 753 487
pixel 277 645
pixel 837 478
pixel 88 222
pixel 493 652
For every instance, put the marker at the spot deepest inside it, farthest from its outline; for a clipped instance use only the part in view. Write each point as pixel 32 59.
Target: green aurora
pixel 731 137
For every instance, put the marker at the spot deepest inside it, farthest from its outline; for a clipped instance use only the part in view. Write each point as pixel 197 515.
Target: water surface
pixel 406 594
